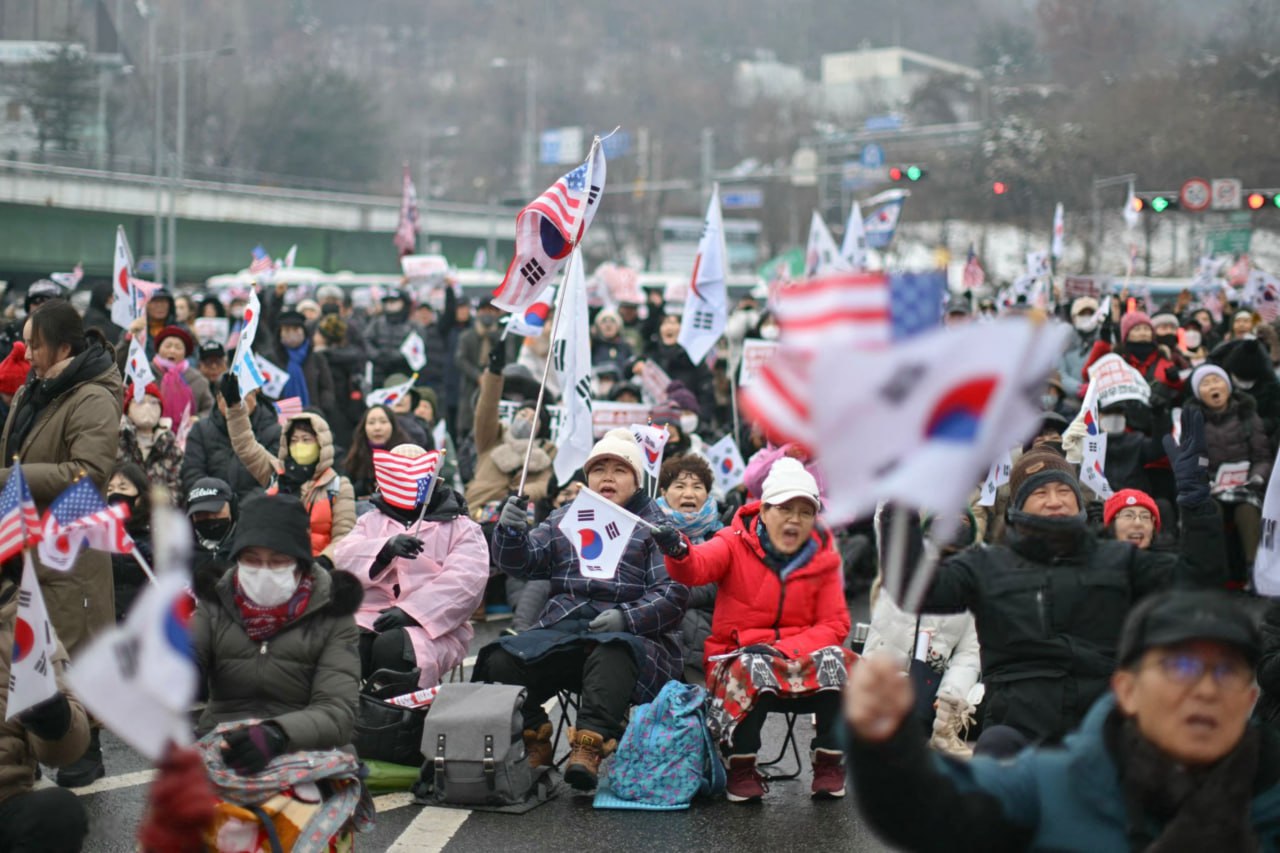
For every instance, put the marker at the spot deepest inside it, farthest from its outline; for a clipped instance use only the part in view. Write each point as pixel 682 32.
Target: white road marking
pixel 430 830
pixel 107 783
pixel 390 802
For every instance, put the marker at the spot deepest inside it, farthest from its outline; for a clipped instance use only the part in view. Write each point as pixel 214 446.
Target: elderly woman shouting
pixel 614 639
pixel 779 622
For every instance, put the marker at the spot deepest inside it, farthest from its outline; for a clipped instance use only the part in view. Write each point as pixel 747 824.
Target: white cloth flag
pixel 727 466
pixel 571 358
pixel 440 434
pixel 122 309
pixel 530 322
pixel 1059 232
pixel 706 309
pixel 31 676
pixel 821 256
pixel 139 677
pixel 273 378
pixel 599 531
pixel 1037 264
pixel 1132 216
pixel 854 247
pixel 652 440
pixel 390 395
pixel 414 350
pixel 996 477
pixel 243 364
pixel 138 369
pixel 1266 566
pixel 1094 454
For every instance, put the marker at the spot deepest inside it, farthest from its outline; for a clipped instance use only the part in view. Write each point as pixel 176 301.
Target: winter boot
pixel 828 773
pixel 745 784
pixel 587 749
pixel 87 769
pixel 538 746
pixel 951 720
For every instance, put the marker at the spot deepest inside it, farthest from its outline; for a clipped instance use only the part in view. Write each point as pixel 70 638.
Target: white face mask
pixel 1086 324
pixel 1111 423
pixel 688 423
pixel 267 587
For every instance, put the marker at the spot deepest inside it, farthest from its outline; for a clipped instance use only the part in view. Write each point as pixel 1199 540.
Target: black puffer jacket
pixel 1049 624
pixel 209 452
pixel 1236 434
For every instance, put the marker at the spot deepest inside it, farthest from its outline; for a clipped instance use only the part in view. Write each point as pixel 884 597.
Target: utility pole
pixel 708 163
pixel 180 144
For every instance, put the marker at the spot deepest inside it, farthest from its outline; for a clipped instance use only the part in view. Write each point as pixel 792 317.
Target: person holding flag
pixel 209 452
pixel 612 635
pixel 423 565
pixel 309 377
pixel 65 423
pixel 779 624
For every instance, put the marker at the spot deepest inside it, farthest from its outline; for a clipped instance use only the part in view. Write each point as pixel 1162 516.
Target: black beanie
pixel 278 522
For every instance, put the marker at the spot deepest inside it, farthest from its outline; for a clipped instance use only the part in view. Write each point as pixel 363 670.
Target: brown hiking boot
pixel 828 774
pixel 745 784
pixel 587 750
pixel 538 746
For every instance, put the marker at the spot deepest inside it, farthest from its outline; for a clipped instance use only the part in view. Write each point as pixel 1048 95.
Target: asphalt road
pixel 787 820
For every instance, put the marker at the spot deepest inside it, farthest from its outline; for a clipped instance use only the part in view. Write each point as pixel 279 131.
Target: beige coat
pixel 499 457
pixel 78 431
pixel 265 467
pixel 19 749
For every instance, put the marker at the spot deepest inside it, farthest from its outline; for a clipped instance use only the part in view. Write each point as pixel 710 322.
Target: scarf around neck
pixel 781 563
pixel 698 526
pixel 263 623
pixel 176 396
pixel 297 384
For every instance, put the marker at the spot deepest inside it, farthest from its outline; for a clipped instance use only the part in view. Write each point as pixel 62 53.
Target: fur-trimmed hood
pixel 335 593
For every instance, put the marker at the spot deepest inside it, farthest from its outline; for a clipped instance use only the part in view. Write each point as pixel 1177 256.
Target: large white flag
pixel 854 247
pixel 243 364
pixel 122 309
pixel 1059 232
pixel 31 676
pixel 1094 455
pixel 706 308
pixel 652 440
pixel 390 395
pixel 726 464
pixel 138 369
pixel 1266 566
pixel 821 256
pixel 571 357
pixel 599 531
pixel 414 350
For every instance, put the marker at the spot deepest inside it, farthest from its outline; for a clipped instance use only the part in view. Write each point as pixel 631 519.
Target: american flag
pixel 548 229
pixel 867 310
pixel 405 482
pixel 973 276
pixel 79 519
pixel 261 261
pixel 19 521
pixel 406 238
pixel 287 408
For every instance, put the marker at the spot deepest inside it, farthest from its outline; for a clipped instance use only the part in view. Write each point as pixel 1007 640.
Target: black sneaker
pixel 85 770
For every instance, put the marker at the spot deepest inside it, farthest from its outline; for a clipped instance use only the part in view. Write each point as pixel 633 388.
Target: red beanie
pixel 14 369
pixel 1131 319
pixel 151 390
pixel 1126 498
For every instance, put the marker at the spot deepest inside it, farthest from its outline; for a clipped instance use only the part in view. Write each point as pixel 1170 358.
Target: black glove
pixel 1190 460
pixel 1172 375
pixel 400 545
pixel 515 513
pixel 230 388
pixel 325 563
pixel 497 357
pixel 392 618
pixel 249 750
pixel 49 720
pixel 1106 331
pixel 761 649
pixel 670 541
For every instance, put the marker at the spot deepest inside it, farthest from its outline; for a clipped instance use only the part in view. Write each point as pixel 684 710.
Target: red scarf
pixel 263 623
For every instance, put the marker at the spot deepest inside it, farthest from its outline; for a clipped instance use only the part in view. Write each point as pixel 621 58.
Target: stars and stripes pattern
pixel 19 520
pixel 287 408
pixel 405 482
pixel 79 519
pixel 974 276
pixel 261 261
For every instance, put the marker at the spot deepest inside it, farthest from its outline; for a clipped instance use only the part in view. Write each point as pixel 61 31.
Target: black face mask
pixel 1170 341
pixel 212 529
pixel 1140 351
pixel 131 501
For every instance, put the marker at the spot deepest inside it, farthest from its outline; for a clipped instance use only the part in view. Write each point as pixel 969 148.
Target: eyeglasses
pixel 1136 515
pixel 1188 669
pixel 800 510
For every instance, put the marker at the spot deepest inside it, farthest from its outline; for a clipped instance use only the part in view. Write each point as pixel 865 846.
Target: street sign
pixel 1195 194
pixel 742 198
pixel 872 156
pixel 855 176
pixel 1228 193
pixel 1230 234
pixel 561 146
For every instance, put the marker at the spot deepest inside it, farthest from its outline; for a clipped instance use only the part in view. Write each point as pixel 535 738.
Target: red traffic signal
pixel 1255 201
pixel 895 173
pixel 999 188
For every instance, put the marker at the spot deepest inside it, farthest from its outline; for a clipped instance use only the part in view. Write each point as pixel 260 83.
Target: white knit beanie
pixel 618 444
pixel 1198 375
pixel 788 479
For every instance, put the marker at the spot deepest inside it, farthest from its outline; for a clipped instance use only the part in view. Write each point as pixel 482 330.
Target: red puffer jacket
pixel 805 613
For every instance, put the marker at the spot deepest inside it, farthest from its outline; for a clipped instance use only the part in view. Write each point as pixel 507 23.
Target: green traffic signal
pixel 914 173
pixel 1159 204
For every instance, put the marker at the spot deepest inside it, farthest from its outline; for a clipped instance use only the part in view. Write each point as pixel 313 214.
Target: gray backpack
pixel 473 744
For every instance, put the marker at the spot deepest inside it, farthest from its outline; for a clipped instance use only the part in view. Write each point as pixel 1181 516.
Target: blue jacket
pixel 1067 798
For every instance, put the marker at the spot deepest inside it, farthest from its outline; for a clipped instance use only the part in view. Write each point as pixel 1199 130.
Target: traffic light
pixel 1257 200
pixel 906 173
pixel 1155 203
pixel 999 187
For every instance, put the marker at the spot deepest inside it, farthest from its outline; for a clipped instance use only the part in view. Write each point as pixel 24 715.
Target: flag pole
pixel 555 321
pixel 142 564
pixel 431 490
pixel 733 401
pixel 628 513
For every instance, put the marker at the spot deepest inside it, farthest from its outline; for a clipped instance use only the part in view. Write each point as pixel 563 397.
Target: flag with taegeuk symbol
pixel 727 466
pixel 31 676
pixel 414 350
pixel 548 229
pixel 78 519
pixel 599 530
pixel 405 482
pixel 652 440
pixel 138 369
pixel 392 394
